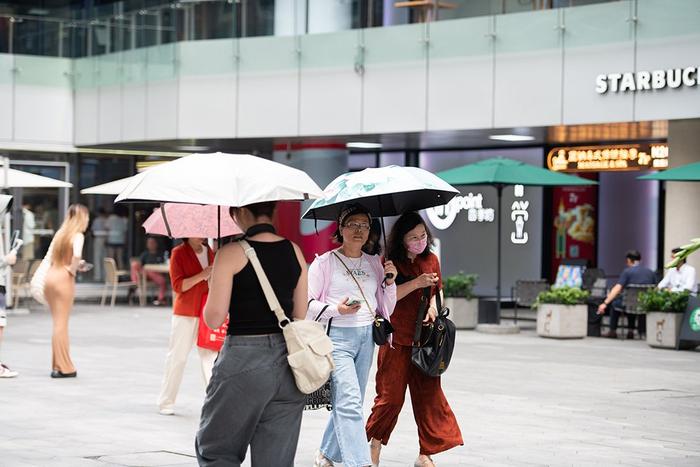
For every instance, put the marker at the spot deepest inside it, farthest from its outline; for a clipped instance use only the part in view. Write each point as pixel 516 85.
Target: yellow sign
pixel 608 158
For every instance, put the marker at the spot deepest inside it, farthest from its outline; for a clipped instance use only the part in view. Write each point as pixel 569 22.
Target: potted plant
pixel 664 310
pixel 459 298
pixel 562 313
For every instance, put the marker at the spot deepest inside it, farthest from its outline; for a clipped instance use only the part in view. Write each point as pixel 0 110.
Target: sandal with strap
pixel 425 462
pixel 321 461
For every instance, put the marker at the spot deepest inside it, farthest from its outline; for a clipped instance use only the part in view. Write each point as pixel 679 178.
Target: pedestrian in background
pixel 349 287
pixel 633 274
pixel 418 269
pixel 28 226
pixel 253 400
pixel 190 267
pixel 59 287
pixel 6 261
pixel 99 243
pixel 117 226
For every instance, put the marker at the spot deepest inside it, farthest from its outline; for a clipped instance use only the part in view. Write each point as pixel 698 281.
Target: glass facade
pixel 107 27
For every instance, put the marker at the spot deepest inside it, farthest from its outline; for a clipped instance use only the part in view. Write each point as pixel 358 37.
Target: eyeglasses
pixel 357 226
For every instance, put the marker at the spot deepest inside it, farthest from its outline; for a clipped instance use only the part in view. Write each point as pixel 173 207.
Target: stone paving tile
pixel 521 400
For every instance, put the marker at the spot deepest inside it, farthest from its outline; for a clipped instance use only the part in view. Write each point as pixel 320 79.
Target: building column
pixel 323 162
pixel 682 217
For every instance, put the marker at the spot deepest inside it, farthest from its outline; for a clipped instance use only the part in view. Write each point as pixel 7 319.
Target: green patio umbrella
pixel 684 173
pixel 501 172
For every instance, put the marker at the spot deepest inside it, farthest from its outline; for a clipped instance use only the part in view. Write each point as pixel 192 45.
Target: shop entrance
pixel 48 205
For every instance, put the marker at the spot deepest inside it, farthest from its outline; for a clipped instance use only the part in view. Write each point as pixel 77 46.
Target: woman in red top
pixel 409 249
pixel 190 267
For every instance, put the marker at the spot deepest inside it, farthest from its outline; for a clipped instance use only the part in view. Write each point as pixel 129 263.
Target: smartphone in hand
pixel 353 302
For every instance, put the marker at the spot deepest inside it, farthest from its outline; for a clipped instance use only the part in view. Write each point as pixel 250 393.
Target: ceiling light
pixel 512 138
pixel 363 145
pixel 193 148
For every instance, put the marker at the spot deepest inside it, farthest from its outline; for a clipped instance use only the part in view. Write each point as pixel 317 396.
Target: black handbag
pixel 381 328
pixel 321 397
pixel 433 343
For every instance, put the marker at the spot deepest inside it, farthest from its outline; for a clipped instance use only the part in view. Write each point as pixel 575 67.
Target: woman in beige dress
pixel 59 289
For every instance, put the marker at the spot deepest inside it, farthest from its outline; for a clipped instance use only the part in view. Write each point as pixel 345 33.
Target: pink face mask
pixel 417 246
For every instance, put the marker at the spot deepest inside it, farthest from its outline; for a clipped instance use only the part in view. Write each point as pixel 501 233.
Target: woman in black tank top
pixel 252 393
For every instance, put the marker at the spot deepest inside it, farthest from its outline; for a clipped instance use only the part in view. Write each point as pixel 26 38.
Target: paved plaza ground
pixel 520 400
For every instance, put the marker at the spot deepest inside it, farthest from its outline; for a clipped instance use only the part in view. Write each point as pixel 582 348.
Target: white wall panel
pixel 207 106
pixel 528 89
pixel 43 114
pixel 110 114
pixel 134 112
pixel 86 110
pixel 6 98
pixel 582 104
pixel 267 104
pixel 460 93
pixel 394 98
pixel 680 103
pixel 330 102
pixel 161 110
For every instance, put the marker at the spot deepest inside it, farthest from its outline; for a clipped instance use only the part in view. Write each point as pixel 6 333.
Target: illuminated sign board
pixel 640 81
pixel 608 158
pixel 442 217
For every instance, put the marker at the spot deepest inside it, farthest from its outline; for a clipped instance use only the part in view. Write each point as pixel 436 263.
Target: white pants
pixel 183 335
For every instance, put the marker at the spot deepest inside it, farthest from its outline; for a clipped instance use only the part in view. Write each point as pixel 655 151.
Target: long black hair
pixel 396 251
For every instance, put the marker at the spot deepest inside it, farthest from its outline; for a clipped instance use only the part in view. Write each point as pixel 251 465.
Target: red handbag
pixel 207 338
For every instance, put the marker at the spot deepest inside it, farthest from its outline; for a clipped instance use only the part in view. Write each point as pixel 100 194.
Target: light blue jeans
pixel 345 439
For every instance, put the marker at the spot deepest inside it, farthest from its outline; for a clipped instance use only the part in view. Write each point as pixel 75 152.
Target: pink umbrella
pixel 191 220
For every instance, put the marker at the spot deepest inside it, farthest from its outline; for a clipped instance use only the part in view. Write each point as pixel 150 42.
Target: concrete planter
pixel 663 329
pixel 464 313
pixel 562 321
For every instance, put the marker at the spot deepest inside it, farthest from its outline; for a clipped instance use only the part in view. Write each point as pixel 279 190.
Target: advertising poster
pixel 575 214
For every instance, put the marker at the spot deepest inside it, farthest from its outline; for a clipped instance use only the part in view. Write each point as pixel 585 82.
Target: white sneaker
pixel 5 372
pixel 166 411
pixel 321 461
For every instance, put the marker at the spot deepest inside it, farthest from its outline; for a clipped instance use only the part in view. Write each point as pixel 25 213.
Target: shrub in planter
pixel 459 298
pixel 664 310
pixel 562 313
pixel 460 285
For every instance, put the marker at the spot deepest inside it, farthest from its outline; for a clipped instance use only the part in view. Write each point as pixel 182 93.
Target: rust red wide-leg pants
pixel 437 426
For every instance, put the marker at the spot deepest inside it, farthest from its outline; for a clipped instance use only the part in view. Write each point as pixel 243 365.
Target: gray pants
pixel 252 400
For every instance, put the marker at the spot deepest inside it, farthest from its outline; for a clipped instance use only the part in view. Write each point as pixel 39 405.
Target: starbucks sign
pixel 695 319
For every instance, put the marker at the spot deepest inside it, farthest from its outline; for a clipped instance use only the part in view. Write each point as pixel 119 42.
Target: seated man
pixel 680 278
pixel 634 274
pixel 152 255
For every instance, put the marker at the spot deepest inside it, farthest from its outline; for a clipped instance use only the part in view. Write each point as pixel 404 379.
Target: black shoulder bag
pixel 433 343
pixel 381 328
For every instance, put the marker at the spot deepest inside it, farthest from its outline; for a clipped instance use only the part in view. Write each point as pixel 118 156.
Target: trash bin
pixel 594 319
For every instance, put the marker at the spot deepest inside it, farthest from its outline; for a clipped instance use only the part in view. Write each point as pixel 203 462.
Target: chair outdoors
pixel 630 302
pixel 20 281
pixel 525 293
pixel 590 276
pixel 112 275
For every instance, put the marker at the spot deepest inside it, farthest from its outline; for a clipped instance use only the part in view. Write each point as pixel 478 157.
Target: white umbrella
pixel 222 180
pixel 110 188
pixel 5 203
pixel 20 179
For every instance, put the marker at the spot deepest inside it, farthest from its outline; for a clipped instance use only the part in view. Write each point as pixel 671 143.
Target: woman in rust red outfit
pixel 409 249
